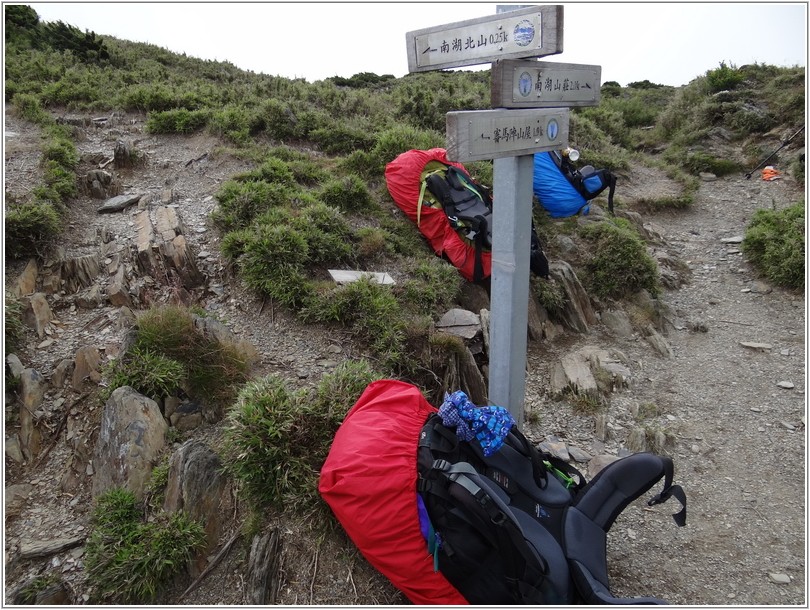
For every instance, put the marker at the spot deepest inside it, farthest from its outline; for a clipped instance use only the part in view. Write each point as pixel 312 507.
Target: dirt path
pixel 739 439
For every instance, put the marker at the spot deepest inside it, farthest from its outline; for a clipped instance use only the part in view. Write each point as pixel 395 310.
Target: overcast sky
pixel 666 43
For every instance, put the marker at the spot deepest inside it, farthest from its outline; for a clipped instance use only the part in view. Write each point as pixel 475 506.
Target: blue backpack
pixel 563 190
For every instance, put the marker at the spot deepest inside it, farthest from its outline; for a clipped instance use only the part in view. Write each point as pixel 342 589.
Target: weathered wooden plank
pixel 531 32
pixel 476 135
pixel 542 84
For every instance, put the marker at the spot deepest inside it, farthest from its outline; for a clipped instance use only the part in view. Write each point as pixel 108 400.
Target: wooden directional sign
pixel 531 32
pixel 476 135
pixel 543 84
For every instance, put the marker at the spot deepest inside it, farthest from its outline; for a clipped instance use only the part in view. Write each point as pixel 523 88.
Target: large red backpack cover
pixel 403 177
pixel 369 482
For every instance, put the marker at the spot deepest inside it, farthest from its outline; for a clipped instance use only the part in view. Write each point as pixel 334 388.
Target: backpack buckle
pixel 441 465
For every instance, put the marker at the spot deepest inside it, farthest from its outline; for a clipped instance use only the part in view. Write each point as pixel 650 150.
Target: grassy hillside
pixel 320 150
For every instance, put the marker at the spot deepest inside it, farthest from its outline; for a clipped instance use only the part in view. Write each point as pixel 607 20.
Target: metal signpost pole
pixel 511 237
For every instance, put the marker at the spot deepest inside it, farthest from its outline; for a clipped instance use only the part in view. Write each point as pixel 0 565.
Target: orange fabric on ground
pixel 769 173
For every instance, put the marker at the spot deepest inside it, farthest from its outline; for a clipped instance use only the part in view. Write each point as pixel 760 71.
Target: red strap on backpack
pixel 369 482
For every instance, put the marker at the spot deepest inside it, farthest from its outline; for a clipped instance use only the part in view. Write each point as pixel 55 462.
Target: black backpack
pixel 468 206
pixel 522 527
pixel 587 180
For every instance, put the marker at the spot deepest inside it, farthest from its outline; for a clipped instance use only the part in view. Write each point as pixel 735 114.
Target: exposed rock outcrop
pixel 131 436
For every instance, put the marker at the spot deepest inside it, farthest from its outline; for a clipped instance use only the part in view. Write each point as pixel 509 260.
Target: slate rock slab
pixel 118 203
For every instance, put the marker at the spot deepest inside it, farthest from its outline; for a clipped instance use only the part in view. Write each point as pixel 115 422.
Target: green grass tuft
pixel 129 561
pixel 171 353
pixel 774 243
pixel 619 264
pixel 277 439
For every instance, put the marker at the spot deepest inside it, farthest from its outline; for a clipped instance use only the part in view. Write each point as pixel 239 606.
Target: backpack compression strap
pixel 542 463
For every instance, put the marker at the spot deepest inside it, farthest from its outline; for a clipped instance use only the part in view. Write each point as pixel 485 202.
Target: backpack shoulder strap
pixel 619 483
pixel 612 181
pixel 431 172
pixel 595 509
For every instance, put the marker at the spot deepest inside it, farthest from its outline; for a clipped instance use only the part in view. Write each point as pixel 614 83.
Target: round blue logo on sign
pixel 524 33
pixel 525 84
pixel 552 129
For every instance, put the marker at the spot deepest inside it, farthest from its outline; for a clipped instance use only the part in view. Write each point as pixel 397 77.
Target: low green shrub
pixel 59 184
pixel 774 243
pixel 151 374
pixel 307 172
pixel 723 77
pixel 234 243
pixel 279 120
pixel 362 80
pixel 371 311
pixel 176 120
pixel 434 285
pixel 341 139
pixel 619 264
pixel 276 440
pixel 129 560
pixel 372 242
pixel 598 147
pixel 389 144
pixel 62 151
pixel 170 352
pixel 272 170
pixel 29 107
pixel 155 492
pixel 586 404
pixel 236 123
pixel 550 294
pixel 349 194
pixel 14 329
pixel 403 236
pixel 668 202
pixel 327 233
pixel 241 201
pixel 30 228
pixel 148 97
pixel 274 265
pixel 746 122
pixel 697 162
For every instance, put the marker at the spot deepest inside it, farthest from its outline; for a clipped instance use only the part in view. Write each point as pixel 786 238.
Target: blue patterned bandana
pixel 490 425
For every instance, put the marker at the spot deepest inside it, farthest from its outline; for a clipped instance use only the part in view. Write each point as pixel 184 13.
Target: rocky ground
pixel 724 392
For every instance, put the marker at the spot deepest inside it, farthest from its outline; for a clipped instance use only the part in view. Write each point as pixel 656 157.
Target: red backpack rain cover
pixel 404 179
pixel 369 482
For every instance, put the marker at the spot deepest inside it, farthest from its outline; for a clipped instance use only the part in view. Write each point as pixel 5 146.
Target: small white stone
pixel 779 578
